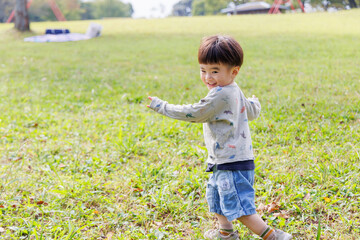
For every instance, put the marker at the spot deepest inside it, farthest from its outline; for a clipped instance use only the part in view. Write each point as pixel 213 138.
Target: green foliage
pixel 198 8
pixel 182 8
pixel 6 6
pixel 71 9
pixel 41 11
pixel 208 7
pixel 111 8
pixel 81 157
pixel 75 10
pixel 87 10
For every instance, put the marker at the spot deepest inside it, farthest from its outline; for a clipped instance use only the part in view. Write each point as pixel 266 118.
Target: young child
pixel 225 113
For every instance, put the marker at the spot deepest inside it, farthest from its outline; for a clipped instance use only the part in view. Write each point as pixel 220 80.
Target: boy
pixel 225 113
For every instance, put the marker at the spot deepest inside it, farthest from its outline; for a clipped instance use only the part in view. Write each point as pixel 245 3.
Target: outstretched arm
pixel 199 112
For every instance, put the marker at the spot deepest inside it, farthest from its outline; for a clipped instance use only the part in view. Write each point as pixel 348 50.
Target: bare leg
pixel 224 222
pixel 254 223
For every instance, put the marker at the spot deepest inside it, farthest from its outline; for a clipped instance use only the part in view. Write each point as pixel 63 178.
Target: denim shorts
pixel 231 193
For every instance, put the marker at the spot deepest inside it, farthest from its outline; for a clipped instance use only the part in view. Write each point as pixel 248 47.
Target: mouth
pixel 211 85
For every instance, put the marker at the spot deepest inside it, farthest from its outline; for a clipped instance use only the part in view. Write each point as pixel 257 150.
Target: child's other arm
pixel 199 112
pixel 253 107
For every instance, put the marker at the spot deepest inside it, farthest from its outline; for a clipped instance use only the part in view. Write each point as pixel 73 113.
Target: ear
pixel 234 71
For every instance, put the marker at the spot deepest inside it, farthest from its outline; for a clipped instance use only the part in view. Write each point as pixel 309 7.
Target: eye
pixel 215 72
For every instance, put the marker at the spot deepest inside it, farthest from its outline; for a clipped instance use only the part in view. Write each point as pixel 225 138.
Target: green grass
pixel 83 158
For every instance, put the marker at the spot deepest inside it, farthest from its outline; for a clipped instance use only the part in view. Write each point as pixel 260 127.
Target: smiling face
pixel 217 75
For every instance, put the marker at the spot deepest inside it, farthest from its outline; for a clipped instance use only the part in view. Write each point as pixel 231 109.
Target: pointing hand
pixel 150 98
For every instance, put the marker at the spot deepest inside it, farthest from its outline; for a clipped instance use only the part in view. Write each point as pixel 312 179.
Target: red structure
pixel 277 3
pixel 54 7
pixel 56 10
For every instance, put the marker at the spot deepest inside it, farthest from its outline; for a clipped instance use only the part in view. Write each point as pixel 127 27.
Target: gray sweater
pixel 225 113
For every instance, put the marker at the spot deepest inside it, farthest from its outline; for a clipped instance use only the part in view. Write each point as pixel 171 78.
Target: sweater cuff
pixel 156 103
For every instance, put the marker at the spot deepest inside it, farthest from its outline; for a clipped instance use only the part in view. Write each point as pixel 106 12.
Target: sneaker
pixel 215 234
pixel 280 235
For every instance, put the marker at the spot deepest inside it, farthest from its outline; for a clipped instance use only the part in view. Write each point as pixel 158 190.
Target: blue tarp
pixel 57 31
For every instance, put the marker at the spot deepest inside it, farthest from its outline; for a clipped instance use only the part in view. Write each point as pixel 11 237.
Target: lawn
pixel 81 157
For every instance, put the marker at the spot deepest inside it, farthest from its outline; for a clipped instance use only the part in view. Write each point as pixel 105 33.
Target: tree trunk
pixel 352 4
pixel 21 16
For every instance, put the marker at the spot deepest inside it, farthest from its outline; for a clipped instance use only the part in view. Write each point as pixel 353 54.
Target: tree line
pixel 71 9
pixel 213 7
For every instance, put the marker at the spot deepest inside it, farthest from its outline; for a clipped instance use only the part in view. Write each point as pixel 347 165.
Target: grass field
pixel 81 157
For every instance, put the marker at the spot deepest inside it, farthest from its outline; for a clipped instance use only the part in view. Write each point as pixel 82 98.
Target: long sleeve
pixel 224 112
pixel 253 108
pixel 200 112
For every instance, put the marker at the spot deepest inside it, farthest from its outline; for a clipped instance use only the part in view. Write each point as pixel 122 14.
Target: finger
pixel 149 97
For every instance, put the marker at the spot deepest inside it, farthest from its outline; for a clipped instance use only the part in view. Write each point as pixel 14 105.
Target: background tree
pixel 352 4
pixel 87 10
pixel 213 7
pixel 6 6
pixel 208 7
pixel 198 8
pixel 71 9
pixel 182 8
pixel 340 4
pixel 41 11
pixel 112 8
pixel 22 22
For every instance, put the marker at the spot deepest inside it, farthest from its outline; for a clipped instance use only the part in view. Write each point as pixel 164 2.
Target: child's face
pixel 214 75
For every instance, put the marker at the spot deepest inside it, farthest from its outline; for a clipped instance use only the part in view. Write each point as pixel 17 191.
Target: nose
pixel 208 76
